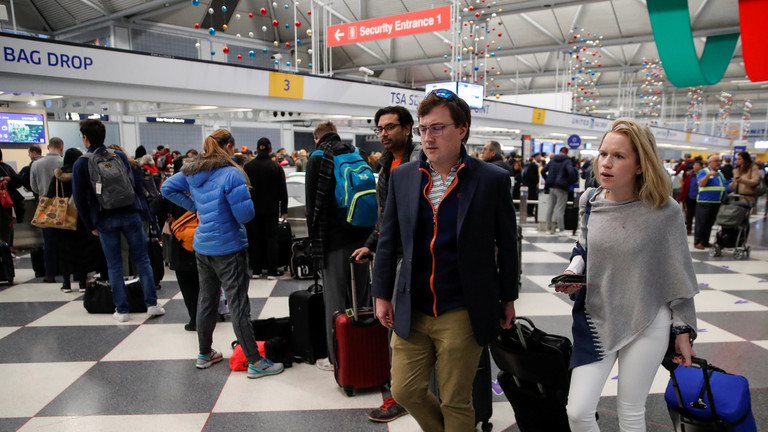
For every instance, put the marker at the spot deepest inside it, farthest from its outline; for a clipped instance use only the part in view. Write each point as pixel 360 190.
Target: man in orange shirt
pixel 394 127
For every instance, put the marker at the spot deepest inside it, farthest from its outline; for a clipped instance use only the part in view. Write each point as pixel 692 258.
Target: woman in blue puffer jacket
pixel 216 189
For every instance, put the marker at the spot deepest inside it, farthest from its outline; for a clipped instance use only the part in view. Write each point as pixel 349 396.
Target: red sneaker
pixel 388 411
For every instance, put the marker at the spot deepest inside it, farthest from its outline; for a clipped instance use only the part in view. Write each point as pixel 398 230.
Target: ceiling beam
pixel 644 38
pixel 540 28
pixel 93 5
pixel 106 20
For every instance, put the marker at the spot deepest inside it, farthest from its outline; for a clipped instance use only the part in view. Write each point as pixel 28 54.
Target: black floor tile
pixel 284 287
pixel 61 344
pixel 142 387
pixel 529 247
pixel 750 325
pixel 12 424
pixel 316 421
pixel 20 314
pixel 175 312
pixel 742 358
pixel 705 268
pixel 755 296
pixel 543 269
pixel 168 289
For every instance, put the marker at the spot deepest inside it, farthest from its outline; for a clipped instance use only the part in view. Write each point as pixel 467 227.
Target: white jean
pixel 638 362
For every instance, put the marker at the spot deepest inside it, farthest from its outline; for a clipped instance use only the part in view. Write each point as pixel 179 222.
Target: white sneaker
pixel 120 317
pixel 324 364
pixel 156 310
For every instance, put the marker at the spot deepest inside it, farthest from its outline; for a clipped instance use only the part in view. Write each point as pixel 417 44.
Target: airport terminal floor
pixel 63 369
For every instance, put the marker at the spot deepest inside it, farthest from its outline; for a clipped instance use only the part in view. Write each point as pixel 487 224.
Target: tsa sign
pixel 574 142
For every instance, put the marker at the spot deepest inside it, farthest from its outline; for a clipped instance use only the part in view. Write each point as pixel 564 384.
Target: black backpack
pixel 111 179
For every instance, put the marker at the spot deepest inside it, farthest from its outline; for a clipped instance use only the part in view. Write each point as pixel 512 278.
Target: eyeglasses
pixel 389 128
pixel 434 130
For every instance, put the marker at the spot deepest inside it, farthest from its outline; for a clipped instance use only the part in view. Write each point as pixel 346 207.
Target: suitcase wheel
pixel 349 390
pixel 486 426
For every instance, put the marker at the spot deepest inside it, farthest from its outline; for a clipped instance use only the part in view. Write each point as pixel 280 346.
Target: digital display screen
pixel 22 128
pixel 451 85
pixel 547 147
pixel 472 94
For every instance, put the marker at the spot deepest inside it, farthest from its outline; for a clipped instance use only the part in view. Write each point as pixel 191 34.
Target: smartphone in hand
pixel 565 280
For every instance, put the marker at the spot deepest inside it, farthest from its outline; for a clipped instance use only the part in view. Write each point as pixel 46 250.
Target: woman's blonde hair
pixel 213 148
pixel 652 185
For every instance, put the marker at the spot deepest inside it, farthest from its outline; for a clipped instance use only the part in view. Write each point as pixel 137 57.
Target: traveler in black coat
pixel 180 260
pixel 78 252
pixel 270 200
pixel 531 179
pixel 492 154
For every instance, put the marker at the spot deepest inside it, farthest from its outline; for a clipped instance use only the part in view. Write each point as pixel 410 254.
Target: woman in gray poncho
pixel 640 279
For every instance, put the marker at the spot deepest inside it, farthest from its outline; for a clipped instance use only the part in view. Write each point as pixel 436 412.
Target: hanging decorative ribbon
pixel 671 25
pixel 752 15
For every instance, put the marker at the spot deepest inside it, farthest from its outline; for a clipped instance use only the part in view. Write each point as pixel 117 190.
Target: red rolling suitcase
pixel 361 345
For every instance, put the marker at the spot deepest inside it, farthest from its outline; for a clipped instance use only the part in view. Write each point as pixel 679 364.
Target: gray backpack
pixel 110 178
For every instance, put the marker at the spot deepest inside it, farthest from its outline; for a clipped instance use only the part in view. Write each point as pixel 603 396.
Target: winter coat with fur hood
pixel 219 192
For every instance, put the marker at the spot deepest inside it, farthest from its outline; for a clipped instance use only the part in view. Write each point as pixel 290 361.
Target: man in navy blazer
pixel 453 216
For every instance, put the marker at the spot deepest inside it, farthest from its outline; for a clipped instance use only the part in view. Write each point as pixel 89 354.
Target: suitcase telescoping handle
pixel 353 285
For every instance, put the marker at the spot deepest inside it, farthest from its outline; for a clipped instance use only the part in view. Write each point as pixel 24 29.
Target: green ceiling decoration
pixel 671 25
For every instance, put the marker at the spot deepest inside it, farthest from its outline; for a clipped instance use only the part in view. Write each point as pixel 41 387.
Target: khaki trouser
pixel 448 342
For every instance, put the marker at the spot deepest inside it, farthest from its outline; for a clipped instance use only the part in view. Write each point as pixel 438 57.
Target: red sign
pixel 388 27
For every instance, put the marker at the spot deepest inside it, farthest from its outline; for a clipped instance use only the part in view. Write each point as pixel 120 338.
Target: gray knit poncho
pixel 637 261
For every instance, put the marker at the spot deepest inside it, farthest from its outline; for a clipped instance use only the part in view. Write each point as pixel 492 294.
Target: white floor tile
pixel 749 266
pixel 302 387
pixel 5 331
pixel 718 301
pixel 538 304
pixel 35 292
pixel 502 418
pixel 556 247
pixel 169 342
pixel 260 288
pixel 74 314
pixel 659 384
pixel 35 385
pixel 732 282
pixel 542 257
pixel 542 281
pixel 275 307
pixel 120 423
pixel 761 344
pixel 709 333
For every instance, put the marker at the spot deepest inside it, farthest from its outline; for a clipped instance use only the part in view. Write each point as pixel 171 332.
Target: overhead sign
pixel 388 27
pixel 574 142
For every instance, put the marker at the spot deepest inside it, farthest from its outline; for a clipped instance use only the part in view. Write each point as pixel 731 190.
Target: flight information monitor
pixel 22 128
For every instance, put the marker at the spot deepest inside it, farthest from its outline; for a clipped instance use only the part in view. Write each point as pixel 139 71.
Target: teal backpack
pixel 355 191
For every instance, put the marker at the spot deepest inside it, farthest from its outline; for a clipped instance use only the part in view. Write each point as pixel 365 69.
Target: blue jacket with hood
pixel 219 192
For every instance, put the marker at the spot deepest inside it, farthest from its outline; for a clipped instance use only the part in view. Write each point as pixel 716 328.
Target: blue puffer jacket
pixel 218 191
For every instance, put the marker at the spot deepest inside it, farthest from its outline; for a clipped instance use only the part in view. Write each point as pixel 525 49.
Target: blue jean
pixel 130 226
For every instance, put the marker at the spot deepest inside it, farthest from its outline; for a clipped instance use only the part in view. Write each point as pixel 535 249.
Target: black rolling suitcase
pixel 7 271
pixel 307 313
pixel 482 396
pixel 534 375
pixel 571 217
